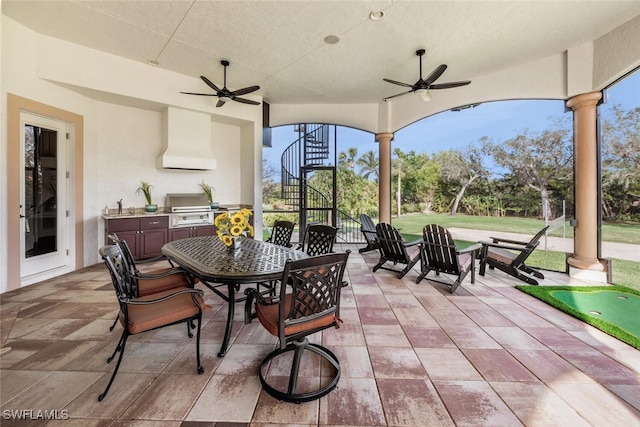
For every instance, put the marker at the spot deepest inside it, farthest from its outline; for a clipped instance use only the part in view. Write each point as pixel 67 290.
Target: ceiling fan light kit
pixel 224 94
pixel 423 86
pixel 424 94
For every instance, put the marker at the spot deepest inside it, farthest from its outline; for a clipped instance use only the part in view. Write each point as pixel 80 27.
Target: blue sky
pixel 497 120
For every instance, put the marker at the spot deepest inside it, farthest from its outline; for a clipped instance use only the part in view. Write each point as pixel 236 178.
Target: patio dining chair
pixel 153 311
pixel 281 233
pixel 440 254
pixel 318 239
pixel 394 249
pixel 510 256
pixel 150 282
pixel 310 303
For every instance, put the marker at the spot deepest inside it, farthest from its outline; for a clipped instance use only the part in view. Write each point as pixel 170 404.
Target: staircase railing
pixel 311 148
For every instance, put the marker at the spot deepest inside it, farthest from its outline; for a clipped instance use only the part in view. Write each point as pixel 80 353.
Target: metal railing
pixel 311 148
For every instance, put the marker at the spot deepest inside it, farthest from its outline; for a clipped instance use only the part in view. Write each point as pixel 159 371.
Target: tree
pixel 369 165
pixel 347 159
pixel 461 169
pixel 419 177
pixel 536 160
pixel 270 188
pixel 620 161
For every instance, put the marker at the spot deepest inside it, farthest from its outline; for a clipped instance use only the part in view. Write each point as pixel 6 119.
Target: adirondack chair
pixel 368 229
pixel 510 256
pixel 440 254
pixel 394 249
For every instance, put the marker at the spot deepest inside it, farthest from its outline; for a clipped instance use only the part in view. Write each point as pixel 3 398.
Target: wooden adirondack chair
pixel 510 256
pixel 440 254
pixel 394 249
pixel 368 229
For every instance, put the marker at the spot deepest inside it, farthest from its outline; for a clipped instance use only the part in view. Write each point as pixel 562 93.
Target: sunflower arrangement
pixel 230 225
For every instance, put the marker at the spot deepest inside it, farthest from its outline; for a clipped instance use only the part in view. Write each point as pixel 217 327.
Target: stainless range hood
pixel 186 140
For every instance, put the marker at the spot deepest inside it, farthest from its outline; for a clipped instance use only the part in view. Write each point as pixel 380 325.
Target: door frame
pixel 58 257
pixel 75 163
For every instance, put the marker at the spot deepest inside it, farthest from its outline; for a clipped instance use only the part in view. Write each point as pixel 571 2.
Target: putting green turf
pixel 612 309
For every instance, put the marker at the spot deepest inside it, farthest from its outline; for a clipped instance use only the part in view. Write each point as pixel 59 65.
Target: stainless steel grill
pixel 188 210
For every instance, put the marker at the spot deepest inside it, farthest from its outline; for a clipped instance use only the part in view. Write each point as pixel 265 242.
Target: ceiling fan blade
pixel 245 101
pixel 201 94
pixel 450 85
pixel 435 74
pixel 397 83
pixel 220 103
pixel 245 90
pixel 396 95
pixel 210 83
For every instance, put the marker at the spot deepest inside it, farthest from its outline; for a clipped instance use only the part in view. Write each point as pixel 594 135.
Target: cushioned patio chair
pixel 153 311
pixel 394 249
pixel 368 229
pixel 281 233
pixel 440 254
pixel 309 303
pixel 150 282
pixel 318 239
pixel 510 256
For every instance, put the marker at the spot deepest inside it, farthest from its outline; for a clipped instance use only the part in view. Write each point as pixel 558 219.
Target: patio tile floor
pixel 411 355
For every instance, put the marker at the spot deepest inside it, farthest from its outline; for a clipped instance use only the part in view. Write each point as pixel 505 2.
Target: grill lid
pixel 187 202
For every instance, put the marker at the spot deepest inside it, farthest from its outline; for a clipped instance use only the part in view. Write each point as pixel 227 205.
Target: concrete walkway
pixel 624 251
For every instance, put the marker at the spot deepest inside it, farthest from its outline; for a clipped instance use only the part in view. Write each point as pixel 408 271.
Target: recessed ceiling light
pixel 153 62
pixel 376 15
pixel 331 39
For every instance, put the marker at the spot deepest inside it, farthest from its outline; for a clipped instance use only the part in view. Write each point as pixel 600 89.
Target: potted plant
pixel 207 190
pixel 146 188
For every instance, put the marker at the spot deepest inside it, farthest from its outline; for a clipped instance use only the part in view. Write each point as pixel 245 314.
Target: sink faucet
pixel 120 207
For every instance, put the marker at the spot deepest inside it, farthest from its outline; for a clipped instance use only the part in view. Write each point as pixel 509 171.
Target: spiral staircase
pixel 312 152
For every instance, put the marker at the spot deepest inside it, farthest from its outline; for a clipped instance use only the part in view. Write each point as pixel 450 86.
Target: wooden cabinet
pixel 144 235
pixel 186 232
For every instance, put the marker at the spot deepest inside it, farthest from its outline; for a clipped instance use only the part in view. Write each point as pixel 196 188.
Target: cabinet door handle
pixel 154 222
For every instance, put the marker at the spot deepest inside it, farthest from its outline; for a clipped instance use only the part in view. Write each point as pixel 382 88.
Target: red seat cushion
pixel 143 318
pixel 268 316
pixel 152 286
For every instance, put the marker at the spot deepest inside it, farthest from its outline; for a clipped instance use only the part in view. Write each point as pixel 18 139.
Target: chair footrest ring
pixel 291 394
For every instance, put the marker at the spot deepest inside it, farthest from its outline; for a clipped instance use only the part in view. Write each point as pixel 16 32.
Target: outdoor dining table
pixel 209 260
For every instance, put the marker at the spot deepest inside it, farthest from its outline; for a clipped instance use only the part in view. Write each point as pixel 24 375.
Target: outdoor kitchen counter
pixel 133 215
pixel 146 233
pixel 140 213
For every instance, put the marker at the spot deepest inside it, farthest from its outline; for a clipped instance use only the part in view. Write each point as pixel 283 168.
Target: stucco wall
pixel 121 102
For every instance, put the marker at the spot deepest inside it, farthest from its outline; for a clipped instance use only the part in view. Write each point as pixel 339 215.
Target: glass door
pixel 43 195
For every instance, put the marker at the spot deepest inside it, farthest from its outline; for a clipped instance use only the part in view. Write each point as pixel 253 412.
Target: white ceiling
pixel 279 44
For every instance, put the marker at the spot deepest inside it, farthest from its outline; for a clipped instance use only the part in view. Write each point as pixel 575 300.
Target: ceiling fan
pixel 224 94
pixel 422 86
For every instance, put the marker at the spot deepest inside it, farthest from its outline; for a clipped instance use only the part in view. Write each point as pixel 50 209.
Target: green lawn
pixel 611 232
pixel 625 273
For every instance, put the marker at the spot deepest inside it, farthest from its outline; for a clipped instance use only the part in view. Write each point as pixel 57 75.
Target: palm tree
pixel 369 165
